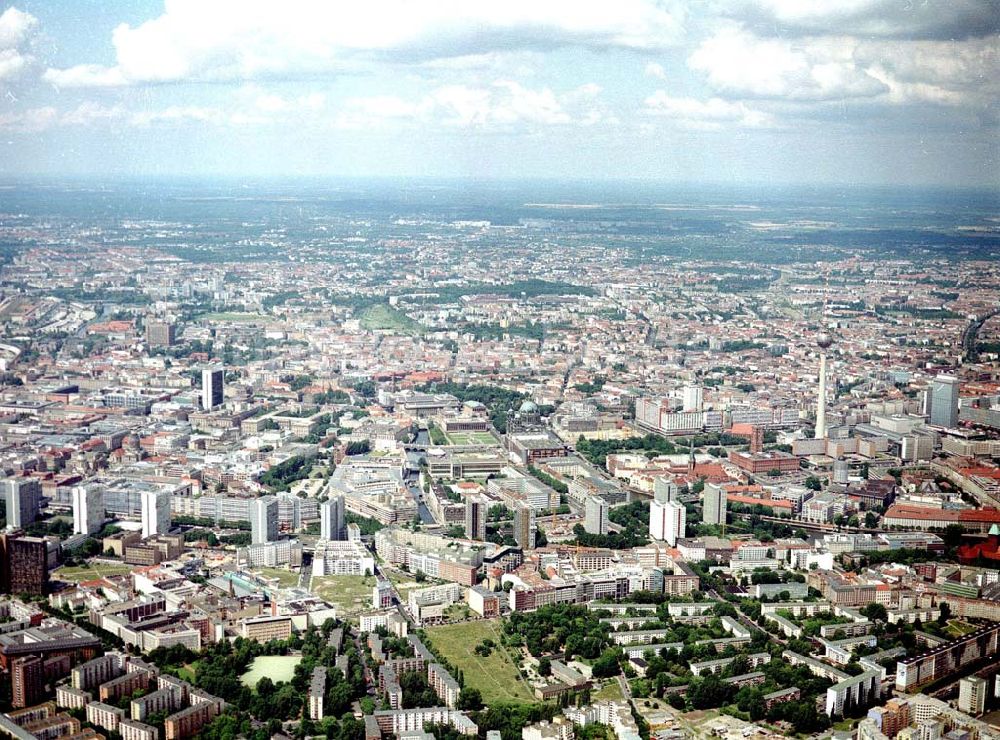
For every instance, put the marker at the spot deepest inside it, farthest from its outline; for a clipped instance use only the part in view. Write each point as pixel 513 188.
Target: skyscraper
pixel 88 509
pixel 25 563
pixel 155 510
pixel 331 519
pixel 264 520
pixel 667 521
pixel 713 504
pixel 525 529
pixel 27 678
pixel 23 497
pixel 212 379
pixel 944 401
pixel 475 518
pixel 160 333
pixel 595 517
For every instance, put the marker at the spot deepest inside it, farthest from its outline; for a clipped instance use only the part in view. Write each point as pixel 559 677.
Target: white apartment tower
pixel 331 519
pixel 667 521
pixel 88 509
pixel 155 512
pixel 264 520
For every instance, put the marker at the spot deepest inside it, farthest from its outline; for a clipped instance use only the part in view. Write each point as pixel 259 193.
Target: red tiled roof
pixel 905 511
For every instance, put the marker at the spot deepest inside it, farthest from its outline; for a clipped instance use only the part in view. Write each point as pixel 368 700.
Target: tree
pixel 544 667
pixel 607 664
pixel 470 699
pixel 814 483
pixel 875 612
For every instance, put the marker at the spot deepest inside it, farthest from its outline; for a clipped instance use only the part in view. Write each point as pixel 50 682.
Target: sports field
pixel 496 676
pixel 471 438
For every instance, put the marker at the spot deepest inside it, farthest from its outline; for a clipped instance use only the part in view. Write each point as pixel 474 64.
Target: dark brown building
pixel 25 564
pixel 27 677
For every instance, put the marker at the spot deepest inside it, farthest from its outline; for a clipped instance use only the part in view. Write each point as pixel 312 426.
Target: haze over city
pixel 518 371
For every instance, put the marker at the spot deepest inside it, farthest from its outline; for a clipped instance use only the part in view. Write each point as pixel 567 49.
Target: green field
pixel 285 578
pixel 496 676
pixel 276 667
pixel 610 691
pixel 471 438
pixel 90 572
pixel 382 316
pixel 351 595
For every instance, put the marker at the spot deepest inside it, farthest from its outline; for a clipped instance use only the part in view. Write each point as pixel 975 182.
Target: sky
pixel 882 92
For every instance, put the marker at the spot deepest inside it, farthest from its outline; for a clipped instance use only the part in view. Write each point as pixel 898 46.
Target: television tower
pixel 823 341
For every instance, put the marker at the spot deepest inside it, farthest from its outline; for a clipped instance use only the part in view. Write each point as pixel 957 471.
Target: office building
pixel 155 512
pixel 160 333
pixel 331 519
pixel 714 504
pixel 595 519
pixel 212 379
pixel 475 518
pixel 23 497
pixel 972 695
pixel 667 521
pixel 25 564
pixel 88 509
pixel 263 520
pixel 525 529
pixel 944 401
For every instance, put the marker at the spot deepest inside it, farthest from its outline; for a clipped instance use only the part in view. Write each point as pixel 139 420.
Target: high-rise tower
pixel 824 342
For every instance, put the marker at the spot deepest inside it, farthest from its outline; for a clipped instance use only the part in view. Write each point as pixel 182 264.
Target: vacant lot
pixel 387 317
pixel 351 595
pixel 285 578
pixel 496 676
pixel 90 572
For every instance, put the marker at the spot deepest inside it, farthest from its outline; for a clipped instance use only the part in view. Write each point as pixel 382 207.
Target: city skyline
pixel 844 92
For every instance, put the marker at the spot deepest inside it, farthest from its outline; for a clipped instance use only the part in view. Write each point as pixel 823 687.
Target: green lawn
pixel 286 578
pixel 471 438
pixel 351 595
pixel 90 572
pixel 957 628
pixel 382 316
pixel 496 676
pixel 610 691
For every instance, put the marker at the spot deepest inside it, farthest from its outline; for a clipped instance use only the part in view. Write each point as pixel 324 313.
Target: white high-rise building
pixel 155 512
pixel 23 498
pixel 714 501
pixel 972 692
pixel 88 509
pixel 331 519
pixel 595 518
pixel 693 398
pixel 664 489
pixel 263 520
pixel 212 380
pixel 667 521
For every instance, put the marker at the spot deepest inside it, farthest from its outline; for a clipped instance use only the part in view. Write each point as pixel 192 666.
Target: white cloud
pixel 260 39
pixel 740 64
pixel 16 31
pixel 656 71
pixel 714 113
pixel 503 105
